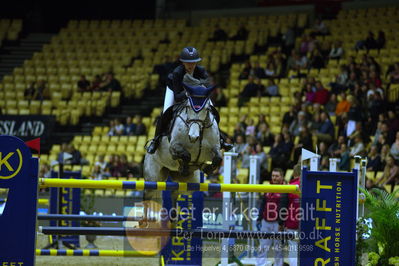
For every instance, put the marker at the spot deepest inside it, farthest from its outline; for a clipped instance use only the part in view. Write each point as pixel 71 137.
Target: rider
pixel 175 93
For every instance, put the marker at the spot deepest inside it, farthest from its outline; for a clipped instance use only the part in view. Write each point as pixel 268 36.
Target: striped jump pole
pixel 39 201
pixel 104 218
pixel 43 201
pixel 202 233
pixel 171 186
pixel 94 253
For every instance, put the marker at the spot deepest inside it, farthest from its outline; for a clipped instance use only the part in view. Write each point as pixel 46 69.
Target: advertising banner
pixel 27 127
pixel 328 234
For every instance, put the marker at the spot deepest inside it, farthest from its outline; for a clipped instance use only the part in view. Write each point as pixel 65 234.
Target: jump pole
pixel 103 218
pixel 203 233
pixel 94 253
pixel 162 186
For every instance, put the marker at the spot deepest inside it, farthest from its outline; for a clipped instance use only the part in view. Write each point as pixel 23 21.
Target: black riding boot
pixel 155 141
pixel 223 144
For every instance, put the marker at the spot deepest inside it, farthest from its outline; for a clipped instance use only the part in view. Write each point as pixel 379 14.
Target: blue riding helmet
pixel 189 55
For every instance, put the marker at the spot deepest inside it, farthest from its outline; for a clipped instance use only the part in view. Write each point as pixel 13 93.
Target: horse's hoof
pixel 208 170
pixel 185 171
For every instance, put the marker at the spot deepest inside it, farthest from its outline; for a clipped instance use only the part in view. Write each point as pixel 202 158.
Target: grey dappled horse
pixel 193 140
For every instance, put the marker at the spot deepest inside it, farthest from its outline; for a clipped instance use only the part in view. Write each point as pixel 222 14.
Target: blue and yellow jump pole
pixel 126 231
pixel 94 253
pixel 103 218
pixel 162 186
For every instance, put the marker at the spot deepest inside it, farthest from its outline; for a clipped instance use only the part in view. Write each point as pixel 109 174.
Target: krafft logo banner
pixel 328 236
pixel 27 127
pixel 18 174
pixel 184 249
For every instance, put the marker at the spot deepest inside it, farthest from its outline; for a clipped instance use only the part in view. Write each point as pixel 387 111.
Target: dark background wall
pixel 40 16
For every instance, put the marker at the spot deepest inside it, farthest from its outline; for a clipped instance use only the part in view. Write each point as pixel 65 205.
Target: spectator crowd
pixel 348 116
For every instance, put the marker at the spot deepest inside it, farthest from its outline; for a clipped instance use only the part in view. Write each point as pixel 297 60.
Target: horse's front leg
pixel 216 160
pixel 178 152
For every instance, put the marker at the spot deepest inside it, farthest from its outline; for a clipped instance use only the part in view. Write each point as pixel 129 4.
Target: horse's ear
pixel 188 88
pixel 210 90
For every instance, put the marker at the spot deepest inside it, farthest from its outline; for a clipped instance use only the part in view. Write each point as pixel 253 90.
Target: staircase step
pixel 13 61
pixel 16 54
pixel 17 50
pixel 8 65
pixel 9 56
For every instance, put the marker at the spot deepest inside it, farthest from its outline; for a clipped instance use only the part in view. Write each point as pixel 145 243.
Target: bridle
pixel 202 124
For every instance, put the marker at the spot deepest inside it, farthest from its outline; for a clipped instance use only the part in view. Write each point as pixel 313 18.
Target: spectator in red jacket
pixel 321 95
pixel 292 221
pixel 271 220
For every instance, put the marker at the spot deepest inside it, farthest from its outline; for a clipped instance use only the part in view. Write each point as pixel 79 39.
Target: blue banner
pixel 18 174
pixel 328 218
pixel 184 250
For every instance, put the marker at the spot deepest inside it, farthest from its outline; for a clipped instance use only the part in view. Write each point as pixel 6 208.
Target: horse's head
pixel 198 100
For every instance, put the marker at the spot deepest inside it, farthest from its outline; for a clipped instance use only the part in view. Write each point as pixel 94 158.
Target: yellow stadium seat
pixel 233 102
pixel 254 101
pixel 275 120
pixel 97 131
pixel 370 175
pixel 242 176
pixel 265 110
pixel 132 140
pixel 244 110
pixel 105 139
pixel 254 110
pixel 92 149
pixel 55 149
pixel 275 109
pixel 95 139
pixel 86 140
pixel 34 107
pixel 275 100
pixel 275 129
pixel 23 111
pixel 23 104
pixel 102 149
pixel 121 148
pixel 77 140
pixel 86 170
pixel 234 111
pixel 264 101
pixel 288 174
pixel 111 148
pixel 138 158
pixel 114 140
pixel 105 130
